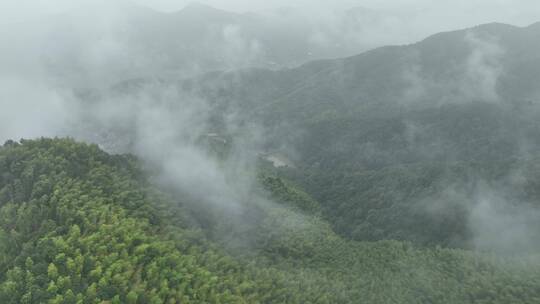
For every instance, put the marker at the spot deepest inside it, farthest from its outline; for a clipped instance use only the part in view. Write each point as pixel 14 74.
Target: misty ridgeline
pixel 265 154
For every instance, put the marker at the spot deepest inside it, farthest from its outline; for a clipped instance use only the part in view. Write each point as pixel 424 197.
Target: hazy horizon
pixel 459 13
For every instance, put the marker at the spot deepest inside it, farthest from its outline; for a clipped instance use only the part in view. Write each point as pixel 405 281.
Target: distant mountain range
pixel 492 68
pixel 127 41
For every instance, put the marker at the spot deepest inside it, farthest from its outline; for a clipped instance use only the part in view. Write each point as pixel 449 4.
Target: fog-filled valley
pixel 253 152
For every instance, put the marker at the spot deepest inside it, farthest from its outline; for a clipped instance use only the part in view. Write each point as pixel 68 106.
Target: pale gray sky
pixel 520 12
pixel 512 11
pixel 250 5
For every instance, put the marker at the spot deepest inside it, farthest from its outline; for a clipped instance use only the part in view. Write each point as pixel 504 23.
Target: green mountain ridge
pixel 80 226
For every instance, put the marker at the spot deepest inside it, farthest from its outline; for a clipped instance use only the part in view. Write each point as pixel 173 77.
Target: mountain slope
pixel 80 226
pixel 452 100
pixel 382 78
pixel 456 112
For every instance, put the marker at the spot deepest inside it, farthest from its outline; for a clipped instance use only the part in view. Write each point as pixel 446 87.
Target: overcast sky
pixel 454 14
pixel 498 7
pixel 520 12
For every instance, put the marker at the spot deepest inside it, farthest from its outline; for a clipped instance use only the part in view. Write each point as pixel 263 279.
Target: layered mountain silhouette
pixel 488 70
pixel 125 41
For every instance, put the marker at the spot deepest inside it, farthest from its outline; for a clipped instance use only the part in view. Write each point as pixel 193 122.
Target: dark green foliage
pixel 428 203
pixel 375 136
pixel 283 191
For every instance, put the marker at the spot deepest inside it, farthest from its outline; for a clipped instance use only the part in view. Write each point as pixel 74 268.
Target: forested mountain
pixel 488 70
pixel 411 142
pixel 403 135
pixel 206 156
pixel 80 226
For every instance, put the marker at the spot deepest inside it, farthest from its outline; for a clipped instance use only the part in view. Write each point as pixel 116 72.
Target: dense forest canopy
pixel 319 153
pixel 78 225
pixel 409 142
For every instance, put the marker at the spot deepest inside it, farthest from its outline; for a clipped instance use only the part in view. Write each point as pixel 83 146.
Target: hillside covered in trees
pixel 434 143
pixel 193 154
pixel 78 225
pixel 406 142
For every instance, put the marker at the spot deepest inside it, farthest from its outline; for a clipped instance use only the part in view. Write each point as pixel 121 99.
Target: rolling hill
pixel 78 225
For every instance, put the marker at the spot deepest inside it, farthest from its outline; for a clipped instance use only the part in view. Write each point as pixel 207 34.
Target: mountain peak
pixel 496 26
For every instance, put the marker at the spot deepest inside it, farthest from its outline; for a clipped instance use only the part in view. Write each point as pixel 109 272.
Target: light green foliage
pixel 82 226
